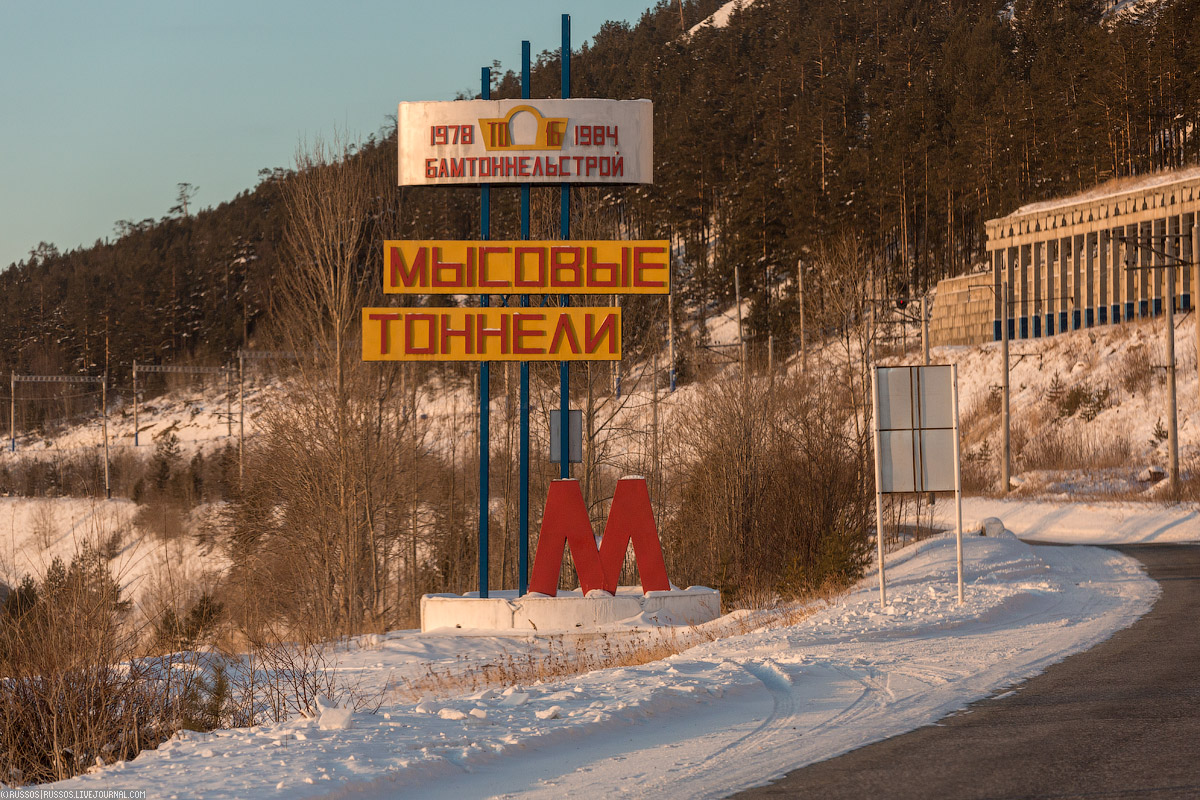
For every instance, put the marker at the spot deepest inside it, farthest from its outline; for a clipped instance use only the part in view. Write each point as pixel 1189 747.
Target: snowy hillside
pixel 720 17
pixel 1089 408
pixel 1100 394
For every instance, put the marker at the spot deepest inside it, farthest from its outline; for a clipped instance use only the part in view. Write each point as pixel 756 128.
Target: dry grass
pixel 575 654
pixel 1063 447
pixel 279 678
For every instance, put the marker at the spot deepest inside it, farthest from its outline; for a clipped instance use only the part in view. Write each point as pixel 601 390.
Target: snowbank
pixel 1081 522
pixel 719 716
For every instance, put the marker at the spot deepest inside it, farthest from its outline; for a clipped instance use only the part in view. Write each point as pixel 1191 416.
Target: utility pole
pixel 103 381
pixel 229 401
pixel 654 470
pixel 925 327
pixel 803 348
pixel 104 406
pixel 1165 259
pixel 671 328
pixel 241 418
pixel 242 355
pixel 616 365
pixel 737 293
pixel 1196 280
pixel 1172 410
pixel 1005 422
pixel 135 404
pixel 1005 418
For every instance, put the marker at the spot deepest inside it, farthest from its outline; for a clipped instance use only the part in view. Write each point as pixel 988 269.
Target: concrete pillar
pixel 1158 242
pixel 1141 255
pixel 1101 278
pixel 997 308
pixel 1035 315
pixel 1066 287
pixel 1130 295
pixel 1023 331
pixel 1053 253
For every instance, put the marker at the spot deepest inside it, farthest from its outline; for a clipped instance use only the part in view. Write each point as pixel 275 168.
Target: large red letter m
pixel 565 521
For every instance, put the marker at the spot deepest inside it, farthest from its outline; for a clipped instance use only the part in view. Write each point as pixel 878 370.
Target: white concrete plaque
pixel 526 141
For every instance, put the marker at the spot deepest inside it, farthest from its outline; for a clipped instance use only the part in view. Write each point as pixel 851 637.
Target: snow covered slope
pixel 719 716
pixel 720 17
pixel 1103 390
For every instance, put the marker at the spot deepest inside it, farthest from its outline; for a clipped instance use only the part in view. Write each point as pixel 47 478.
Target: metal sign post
pixel 523 468
pixel 485 400
pixel 878 488
pixel 564 372
pixel 957 484
pixel 916 442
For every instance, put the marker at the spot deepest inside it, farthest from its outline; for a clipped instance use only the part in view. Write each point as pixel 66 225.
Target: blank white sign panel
pixel 936 397
pixel 895 398
pixel 936 460
pixel 916 428
pixel 896 461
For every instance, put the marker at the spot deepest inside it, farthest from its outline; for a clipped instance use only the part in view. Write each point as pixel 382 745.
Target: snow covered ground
pixel 1080 522
pixel 149 570
pixel 719 716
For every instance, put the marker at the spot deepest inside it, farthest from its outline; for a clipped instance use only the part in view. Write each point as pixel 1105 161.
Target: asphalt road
pixel 1120 720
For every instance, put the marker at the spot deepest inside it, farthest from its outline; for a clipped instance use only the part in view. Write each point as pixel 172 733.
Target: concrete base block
pixel 569 612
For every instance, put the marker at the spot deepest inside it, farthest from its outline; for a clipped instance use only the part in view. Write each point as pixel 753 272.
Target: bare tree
pixel 327 477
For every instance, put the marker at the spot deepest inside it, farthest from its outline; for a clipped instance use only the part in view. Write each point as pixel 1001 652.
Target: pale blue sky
pixel 106 106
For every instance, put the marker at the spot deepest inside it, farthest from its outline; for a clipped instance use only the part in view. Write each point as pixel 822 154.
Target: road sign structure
pixel 525 141
pixel 916 442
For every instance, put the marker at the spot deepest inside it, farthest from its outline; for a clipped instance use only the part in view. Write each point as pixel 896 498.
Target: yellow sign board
pixel 497 133
pixel 522 267
pixel 491 334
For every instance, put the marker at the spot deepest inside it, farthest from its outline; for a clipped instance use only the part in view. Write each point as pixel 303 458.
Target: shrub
pixel 67 699
pixel 773 491
pixel 1137 369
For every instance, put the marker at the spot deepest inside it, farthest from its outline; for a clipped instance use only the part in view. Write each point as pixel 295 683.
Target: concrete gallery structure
pixel 1098 258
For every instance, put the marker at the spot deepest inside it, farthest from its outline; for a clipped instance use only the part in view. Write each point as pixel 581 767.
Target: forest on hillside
pixel 905 123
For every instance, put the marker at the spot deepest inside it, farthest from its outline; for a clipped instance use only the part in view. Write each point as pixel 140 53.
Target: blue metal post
pixel 564 375
pixel 485 227
pixel 523 520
